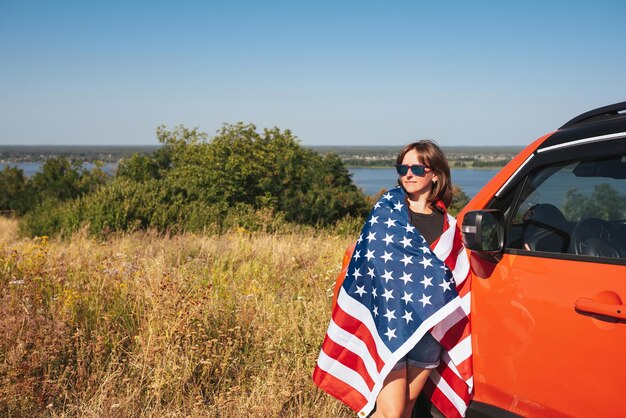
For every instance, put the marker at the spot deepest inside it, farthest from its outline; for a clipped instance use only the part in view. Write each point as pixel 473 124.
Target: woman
pixel 424 174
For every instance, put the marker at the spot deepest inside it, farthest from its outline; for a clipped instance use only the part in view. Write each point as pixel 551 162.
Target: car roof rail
pixel 600 113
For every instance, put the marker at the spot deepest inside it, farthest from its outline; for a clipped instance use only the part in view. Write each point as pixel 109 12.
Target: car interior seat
pixel 546 229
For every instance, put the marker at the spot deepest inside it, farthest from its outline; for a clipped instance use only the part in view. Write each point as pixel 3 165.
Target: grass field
pixel 150 325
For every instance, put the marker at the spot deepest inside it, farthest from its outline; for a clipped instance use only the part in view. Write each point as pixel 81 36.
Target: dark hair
pixel 431 155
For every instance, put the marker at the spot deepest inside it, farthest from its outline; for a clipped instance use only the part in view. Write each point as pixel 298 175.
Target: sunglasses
pixel 416 169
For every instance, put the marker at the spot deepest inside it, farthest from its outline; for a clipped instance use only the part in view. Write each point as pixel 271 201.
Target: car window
pixel 577 207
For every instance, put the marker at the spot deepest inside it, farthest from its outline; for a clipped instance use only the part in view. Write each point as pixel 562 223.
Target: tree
pixel 604 202
pixel 58 179
pixel 15 194
pixel 142 168
pixel 263 170
pixel 459 200
pixel 62 180
pixel 271 170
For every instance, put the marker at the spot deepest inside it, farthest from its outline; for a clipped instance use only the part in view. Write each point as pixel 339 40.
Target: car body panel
pixel 534 355
pixel 534 352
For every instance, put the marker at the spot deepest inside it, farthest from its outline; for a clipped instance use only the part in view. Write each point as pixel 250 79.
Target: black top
pixel 429 226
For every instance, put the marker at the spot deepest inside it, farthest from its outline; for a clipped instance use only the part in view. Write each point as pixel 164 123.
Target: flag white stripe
pixel 446 241
pixel 461 351
pixel 462 267
pixel 352 343
pixel 343 373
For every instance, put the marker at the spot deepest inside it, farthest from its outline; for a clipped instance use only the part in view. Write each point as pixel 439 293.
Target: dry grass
pixel 146 325
pixel 8 230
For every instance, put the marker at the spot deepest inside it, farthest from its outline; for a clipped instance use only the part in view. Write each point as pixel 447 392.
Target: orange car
pixel 547 241
pixel 547 244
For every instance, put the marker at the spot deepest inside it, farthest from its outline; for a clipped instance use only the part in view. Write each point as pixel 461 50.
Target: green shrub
pixel 240 179
pixel 59 180
pixel 62 180
pixel 15 194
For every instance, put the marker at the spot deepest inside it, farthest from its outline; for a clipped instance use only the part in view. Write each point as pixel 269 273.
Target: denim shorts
pixel 425 354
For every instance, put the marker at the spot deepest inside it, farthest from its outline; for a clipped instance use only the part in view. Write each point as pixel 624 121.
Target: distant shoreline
pixel 375 157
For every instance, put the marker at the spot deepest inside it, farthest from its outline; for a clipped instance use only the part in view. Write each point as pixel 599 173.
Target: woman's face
pixel 416 185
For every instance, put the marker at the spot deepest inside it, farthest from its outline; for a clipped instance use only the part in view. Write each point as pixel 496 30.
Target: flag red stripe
pixel 355 327
pixel 441 401
pixel 457 245
pixel 348 359
pixel 454 381
pixel 339 389
pixel 456 333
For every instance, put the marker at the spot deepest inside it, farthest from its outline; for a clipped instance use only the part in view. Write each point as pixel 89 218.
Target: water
pixel 35 167
pixel 28 168
pixel 371 180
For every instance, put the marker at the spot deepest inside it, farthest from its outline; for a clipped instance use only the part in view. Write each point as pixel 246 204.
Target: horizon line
pixel 304 145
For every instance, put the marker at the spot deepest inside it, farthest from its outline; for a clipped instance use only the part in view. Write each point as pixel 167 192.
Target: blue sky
pixel 334 72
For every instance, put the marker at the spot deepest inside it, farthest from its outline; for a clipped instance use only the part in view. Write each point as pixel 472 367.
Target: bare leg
pixel 399 393
pixel 391 400
pixel 416 379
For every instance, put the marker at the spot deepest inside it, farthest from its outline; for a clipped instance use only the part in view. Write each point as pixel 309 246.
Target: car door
pixel 548 325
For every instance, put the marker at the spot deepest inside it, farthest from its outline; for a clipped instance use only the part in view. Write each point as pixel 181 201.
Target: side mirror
pixel 483 232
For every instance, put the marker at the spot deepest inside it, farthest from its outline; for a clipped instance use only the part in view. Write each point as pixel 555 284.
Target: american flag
pixel 394 290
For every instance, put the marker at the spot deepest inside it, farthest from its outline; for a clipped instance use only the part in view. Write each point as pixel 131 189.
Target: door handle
pixel 612 310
